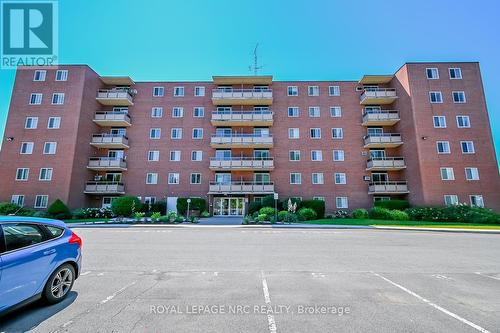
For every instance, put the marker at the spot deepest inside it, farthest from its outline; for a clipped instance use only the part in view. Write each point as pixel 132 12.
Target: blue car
pixel 39 258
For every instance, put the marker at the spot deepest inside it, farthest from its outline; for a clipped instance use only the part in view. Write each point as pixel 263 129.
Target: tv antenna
pixel 255 67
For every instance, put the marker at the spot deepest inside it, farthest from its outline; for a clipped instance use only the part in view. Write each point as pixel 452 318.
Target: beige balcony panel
pixel 109 141
pixel 388 140
pixel 114 97
pixel 104 188
pixel 242 97
pixel 383 118
pixel 242 118
pixel 104 163
pixel 241 188
pixel 110 119
pixel 378 96
pixel 396 187
pixel 388 163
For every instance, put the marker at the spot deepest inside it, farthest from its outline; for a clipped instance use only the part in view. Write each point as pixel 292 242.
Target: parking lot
pixel 237 279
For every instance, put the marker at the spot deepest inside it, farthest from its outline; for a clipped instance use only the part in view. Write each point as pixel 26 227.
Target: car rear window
pixel 54 232
pixel 19 235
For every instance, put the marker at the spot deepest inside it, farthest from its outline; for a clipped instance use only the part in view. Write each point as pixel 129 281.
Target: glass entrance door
pixel 228 206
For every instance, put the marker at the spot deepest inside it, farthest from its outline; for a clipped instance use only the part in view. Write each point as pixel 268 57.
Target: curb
pixel 450 230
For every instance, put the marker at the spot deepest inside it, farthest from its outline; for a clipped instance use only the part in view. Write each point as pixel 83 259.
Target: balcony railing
pixel 241 140
pixel 378 96
pixel 120 97
pixel 112 118
pixel 380 117
pixel 383 140
pixel 224 96
pixel 389 187
pixel 242 163
pixel 386 163
pixel 107 163
pixel 104 187
pixel 107 140
pixel 242 118
pixel 241 187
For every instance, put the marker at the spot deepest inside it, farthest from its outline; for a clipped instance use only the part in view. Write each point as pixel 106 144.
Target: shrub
pixel 198 204
pixel 59 210
pixel 254 206
pixel 246 219
pixel 262 217
pixel 193 219
pixel 379 213
pixel 155 216
pixel 307 214
pixel 159 206
pixel 25 211
pixel 290 217
pixel 457 213
pixel 360 213
pixel 282 214
pixel 317 205
pixel 138 216
pixel 284 204
pixel 205 214
pixel 7 208
pixel 125 206
pixel 340 214
pixel 91 213
pixel 41 213
pixel 268 211
pixel 392 204
pixel 164 219
pixel 399 215
pixel 180 219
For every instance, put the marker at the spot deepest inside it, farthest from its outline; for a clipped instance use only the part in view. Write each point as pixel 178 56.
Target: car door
pixel 26 262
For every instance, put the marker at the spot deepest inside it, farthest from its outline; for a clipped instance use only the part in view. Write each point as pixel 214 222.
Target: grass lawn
pixel 422 224
pixel 86 220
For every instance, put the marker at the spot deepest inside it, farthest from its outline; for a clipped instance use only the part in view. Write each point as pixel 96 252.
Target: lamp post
pixel 275 207
pixel 187 213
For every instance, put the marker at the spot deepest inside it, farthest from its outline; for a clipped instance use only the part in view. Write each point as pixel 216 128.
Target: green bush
pixel 59 210
pixel 262 218
pixel 392 204
pixel 399 215
pixel 92 213
pixel 456 213
pixel 284 204
pixel 268 201
pixel 307 214
pixel 379 213
pixel 269 211
pixel 290 218
pixel 360 213
pixel 7 208
pixel 164 219
pixel 125 206
pixel 155 216
pixel 198 204
pixel 282 214
pixel 138 216
pixel 41 213
pixel 317 205
pixel 254 206
pixel 205 213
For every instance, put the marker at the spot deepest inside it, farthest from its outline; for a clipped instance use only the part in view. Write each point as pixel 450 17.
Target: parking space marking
pixel 487 276
pixel 318 275
pixel 442 277
pixel 86 273
pixel 116 293
pixel 270 317
pixel 437 307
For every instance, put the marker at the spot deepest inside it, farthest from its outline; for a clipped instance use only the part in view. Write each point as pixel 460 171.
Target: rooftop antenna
pixel 255 67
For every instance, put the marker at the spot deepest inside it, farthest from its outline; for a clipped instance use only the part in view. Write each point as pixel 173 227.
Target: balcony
pixel 112 118
pixel 242 96
pixel 389 187
pixel 107 163
pixel 385 163
pixel 242 118
pixel 107 140
pixel 242 163
pixel 117 97
pixel 380 118
pixel 241 141
pixel 104 187
pixel 384 140
pixel 241 187
pixel 378 96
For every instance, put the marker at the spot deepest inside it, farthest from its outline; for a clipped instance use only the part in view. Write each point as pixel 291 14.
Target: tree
pixel 126 206
pixel 59 210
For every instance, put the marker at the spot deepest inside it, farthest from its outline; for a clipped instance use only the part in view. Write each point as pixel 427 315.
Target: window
pixel 195 178
pixel 155 133
pixel 26 148
pixel 197 133
pixel 173 178
pixel 335 111
pixel 22 173
pixel 294 155
pixel 176 133
pixel 31 123
pixel 471 174
pixel 178 91
pixel 196 155
pixel 156 112
pixel 158 91
pixel 439 122
pixel 463 122
pixel 443 147
pixel 293 133
pixel 177 112
pixel 39 75
pixel 338 155
pixel 337 133
pixel 476 200
pixel 45 174
pixel 49 148
pixel 41 201
pixel 151 178
pixel 17 199
pixel 315 133
pixel 450 199
pixel 149 200
pixel 175 155
pixel 21 235
pixel 317 178
pixel 435 97
pixel 293 111
pixel 295 178
pixel 54 123
pixel 199 112
pixel 340 178
pixel 199 91
pixel 467 147
pixel 153 155
pixel 319 198
pixel 334 90
pixel 458 97
pixel 432 73
pixel 61 75
pixel 447 174
pixel 455 73
pixel 316 155
pixel 293 91
pixel 36 99
pixel 341 202
pixel 314 111
pixel 313 90
pixel 58 99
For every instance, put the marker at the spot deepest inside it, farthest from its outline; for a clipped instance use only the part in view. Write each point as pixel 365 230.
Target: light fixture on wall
pixel 9 138
pixel 425 137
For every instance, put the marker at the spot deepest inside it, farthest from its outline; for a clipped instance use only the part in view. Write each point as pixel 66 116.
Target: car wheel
pixel 59 284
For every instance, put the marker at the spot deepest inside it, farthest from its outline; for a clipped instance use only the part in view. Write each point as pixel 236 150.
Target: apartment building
pixel 420 134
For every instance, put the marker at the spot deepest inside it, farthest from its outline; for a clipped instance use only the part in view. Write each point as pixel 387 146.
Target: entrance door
pixel 228 206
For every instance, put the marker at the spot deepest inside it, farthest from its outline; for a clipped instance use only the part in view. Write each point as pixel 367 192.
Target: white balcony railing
pixel 242 163
pixel 228 93
pixel 104 187
pixel 241 187
pixel 246 116
pixel 383 139
pixel 381 116
pixel 378 95
pixel 241 139
pixel 112 117
pixel 109 139
pixel 386 163
pixel 389 187
pixel 114 94
pixel 107 163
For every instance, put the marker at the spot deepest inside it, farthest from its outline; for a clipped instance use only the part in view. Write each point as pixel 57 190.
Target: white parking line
pixel 270 317
pixel 488 276
pixel 437 307
pixel 85 273
pixel 119 291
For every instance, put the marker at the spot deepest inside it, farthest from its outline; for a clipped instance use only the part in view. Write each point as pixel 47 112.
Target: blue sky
pixel 309 39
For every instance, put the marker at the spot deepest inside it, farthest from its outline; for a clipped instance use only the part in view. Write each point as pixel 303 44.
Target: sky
pixel 164 40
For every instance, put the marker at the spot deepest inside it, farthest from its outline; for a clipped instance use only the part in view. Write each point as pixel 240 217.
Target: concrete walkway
pixel 222 220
